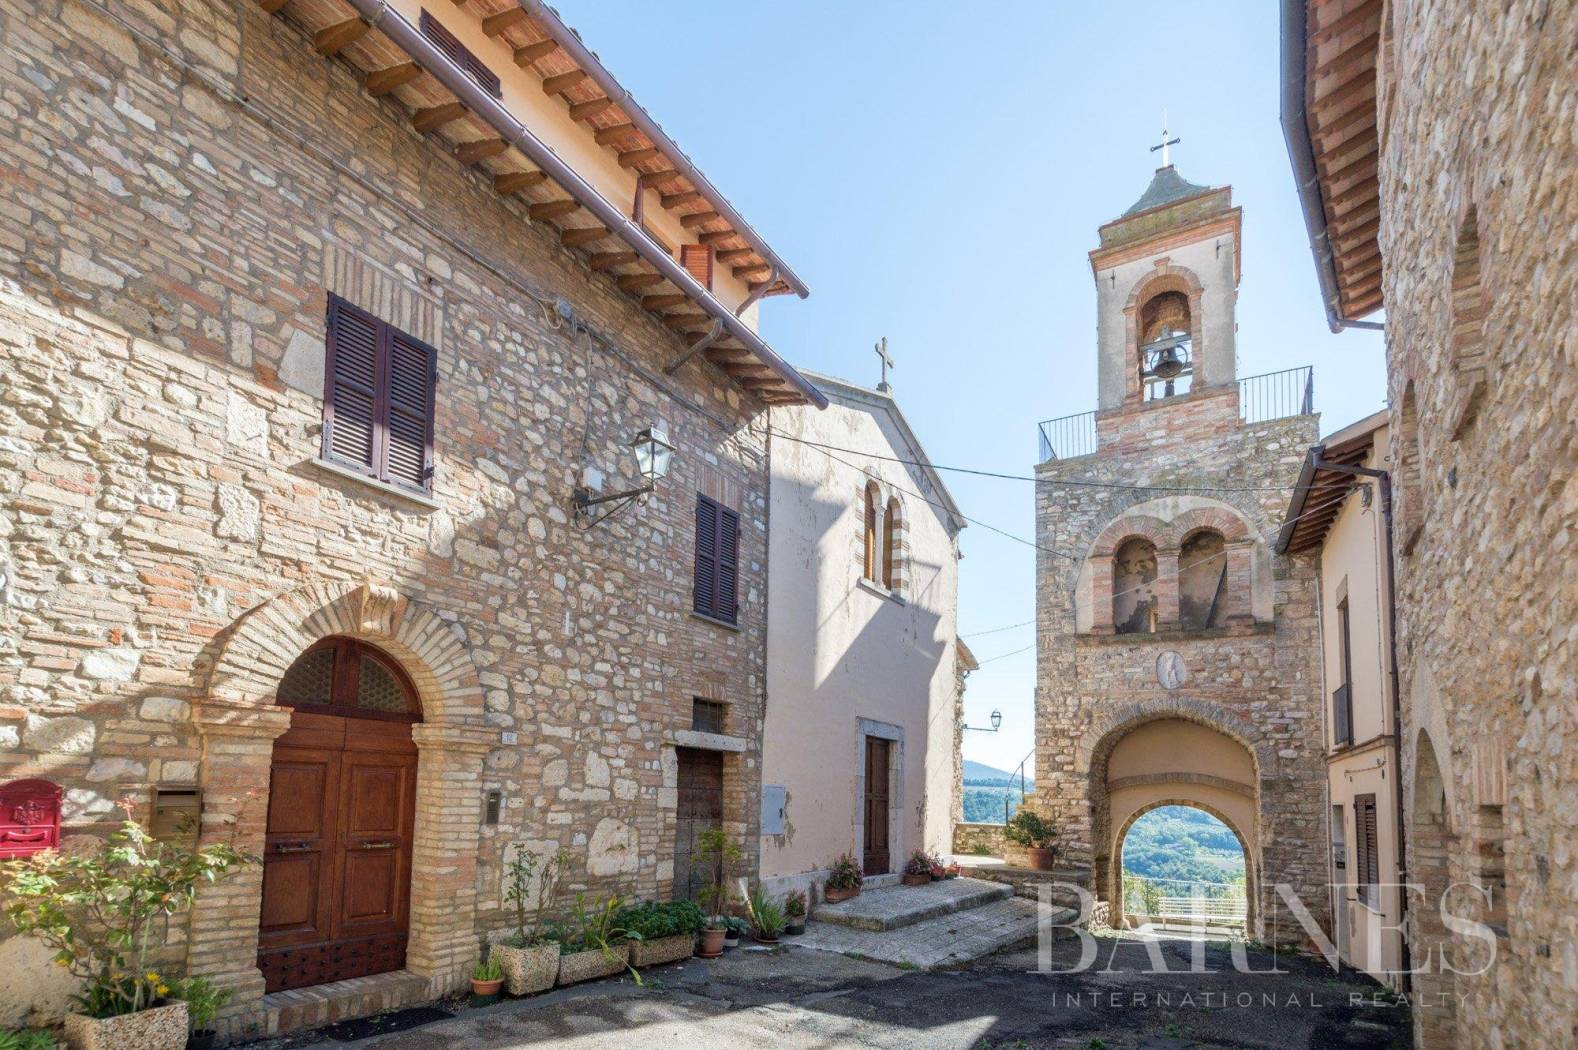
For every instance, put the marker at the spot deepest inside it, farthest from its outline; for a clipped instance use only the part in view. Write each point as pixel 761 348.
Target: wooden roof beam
pixel 760 269
pixel 272 6
pixel 636 281
pixel 493 25
pixel 525 56
pixel 382 81
pixel 1348 240
pixel 589 109
pixel 553 210
pixel 716 236
pixel 577 238
pixel 652 178
pixel 340 35
pixel 731 255
pixel 515 181
pixel 631 158
pixel 604 136
pixel 1352 20
pixel 1349 60
pixel 434 117
pixel 681 322
pixel 674 200
pixel 699 218
pixel 562 81
pixel 609 260
pixel 468 153
pixel 663 302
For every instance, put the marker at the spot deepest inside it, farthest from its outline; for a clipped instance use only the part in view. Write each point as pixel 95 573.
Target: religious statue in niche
pixel 29 818
pixel 1171 671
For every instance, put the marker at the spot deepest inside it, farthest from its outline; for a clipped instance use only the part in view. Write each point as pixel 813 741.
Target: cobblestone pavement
pixel 795 997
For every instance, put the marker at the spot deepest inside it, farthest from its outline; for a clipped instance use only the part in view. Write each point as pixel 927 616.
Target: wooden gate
pixel 874 857
pixel 700 807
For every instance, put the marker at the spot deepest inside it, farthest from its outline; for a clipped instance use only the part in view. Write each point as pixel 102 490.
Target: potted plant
pixel 794 913
pixel 717 854
pixel 767 915
pixel 667 931
pixel 529 957
pixel 593 944
pixel 26 1039
pixel 843 880
pixel 203 1000
pixel 734 928
pixel 1030 830
pixel 952 871
pixel 917 870
pixel 938 872
pixel 487 978
pixel 103 911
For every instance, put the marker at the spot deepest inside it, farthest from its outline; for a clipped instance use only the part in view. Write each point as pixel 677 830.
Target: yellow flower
pixel 163 989
pixel 152 977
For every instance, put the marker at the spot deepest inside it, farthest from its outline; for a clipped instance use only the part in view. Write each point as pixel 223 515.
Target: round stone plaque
pixel 1171 671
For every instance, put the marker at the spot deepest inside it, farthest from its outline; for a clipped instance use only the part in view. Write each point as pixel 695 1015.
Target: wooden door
pixel 337 852
pixel 700 807
pixel 874 857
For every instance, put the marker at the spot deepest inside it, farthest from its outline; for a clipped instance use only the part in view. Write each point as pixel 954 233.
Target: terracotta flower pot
pixel 162 1028
pixel 833 895
pixel 486 989
pixel 662 950
pixel 527 970
pixel 712 943
pixel 1041 857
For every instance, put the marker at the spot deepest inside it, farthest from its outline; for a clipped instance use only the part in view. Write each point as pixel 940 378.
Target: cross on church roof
pixel 1166 161
pixel 887 362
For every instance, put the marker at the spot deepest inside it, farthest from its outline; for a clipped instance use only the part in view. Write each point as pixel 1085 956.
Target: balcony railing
pixel 1275 395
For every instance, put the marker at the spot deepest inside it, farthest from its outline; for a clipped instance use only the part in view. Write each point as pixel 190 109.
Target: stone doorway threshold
pixel 926 927
pixel 322 1004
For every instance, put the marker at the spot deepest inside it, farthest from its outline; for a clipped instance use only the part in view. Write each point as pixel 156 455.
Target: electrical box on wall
pixel 177 815
pixel 774 802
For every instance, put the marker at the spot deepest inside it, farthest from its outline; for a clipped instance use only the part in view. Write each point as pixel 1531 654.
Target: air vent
pixel 459 54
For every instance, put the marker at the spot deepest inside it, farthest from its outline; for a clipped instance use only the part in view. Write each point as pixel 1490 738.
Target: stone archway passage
pixel 1187 894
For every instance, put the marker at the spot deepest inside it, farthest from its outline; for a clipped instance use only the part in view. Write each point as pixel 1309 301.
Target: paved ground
pixel 796 997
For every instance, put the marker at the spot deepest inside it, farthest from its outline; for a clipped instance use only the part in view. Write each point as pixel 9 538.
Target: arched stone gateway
pixel 1175 751
pixel 239 721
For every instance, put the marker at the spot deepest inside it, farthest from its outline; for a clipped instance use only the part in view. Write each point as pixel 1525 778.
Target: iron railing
pixel 1274 395
pixel 1068 437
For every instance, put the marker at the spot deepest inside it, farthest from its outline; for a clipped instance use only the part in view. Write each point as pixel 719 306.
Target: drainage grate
pixel 383 1024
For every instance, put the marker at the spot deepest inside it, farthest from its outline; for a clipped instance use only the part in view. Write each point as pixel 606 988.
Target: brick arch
pixel 1130 526
pixel 1223 519
pixel 1165 278
pixel 267 639
pixel 1111 726
pixel 895 539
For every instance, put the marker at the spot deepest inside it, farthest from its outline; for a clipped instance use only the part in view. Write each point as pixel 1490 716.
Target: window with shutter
pixel 697 258
pixel 717 561
pixel 378 398
pixel 459 54
pixel 1367 848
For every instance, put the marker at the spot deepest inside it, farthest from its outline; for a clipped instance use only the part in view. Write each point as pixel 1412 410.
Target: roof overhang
pixel 1330 53
pixel 444 100
pixel 1318 495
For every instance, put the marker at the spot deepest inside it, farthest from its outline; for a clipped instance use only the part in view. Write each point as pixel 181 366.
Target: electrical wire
pixel 998 630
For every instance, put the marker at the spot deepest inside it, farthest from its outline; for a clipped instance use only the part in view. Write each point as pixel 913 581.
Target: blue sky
pixel 936 173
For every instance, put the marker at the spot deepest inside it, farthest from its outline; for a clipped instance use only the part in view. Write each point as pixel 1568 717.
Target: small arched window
pixel 870 532
pixel 342 676
pixel 1202 581
pixel 890 545
pixel 1134 605
pixel 1165 330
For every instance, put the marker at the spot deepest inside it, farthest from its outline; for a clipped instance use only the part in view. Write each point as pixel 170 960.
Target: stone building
pixel 1177 656
pixel 859 750
pixel 312 331
pixel 1337 518
pixel 1434 152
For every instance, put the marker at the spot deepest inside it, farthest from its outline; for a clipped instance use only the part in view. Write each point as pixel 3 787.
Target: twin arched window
pixel 882 548
pixel 1202 584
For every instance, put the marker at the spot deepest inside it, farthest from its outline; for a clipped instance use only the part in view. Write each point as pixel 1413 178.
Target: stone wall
pixel 980 839
pixel 1478 121
pixel 1256 681
pixel 166 248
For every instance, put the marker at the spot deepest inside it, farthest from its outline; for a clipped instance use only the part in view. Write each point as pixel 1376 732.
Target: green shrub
pixel 488 970
pixel 653 920
pixel 202 998
pixel 26 1040
pixel 844 874
pixel 766 913
pixel 1029 829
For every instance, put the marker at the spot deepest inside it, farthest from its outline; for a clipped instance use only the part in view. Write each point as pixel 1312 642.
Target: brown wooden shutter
pixel 350 396
pixel 1369 864
pixel 413 369
pixel 697 258
pixel 459 54
pixel 717 561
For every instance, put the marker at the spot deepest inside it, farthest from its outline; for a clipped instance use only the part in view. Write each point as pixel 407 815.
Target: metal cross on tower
pixel 1166 160
pixel 887 362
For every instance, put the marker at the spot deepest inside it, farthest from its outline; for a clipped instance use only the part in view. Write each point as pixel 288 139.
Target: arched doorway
pixel 1429 870
pixel 342 799
pixel 1168 760
pixel 1182 864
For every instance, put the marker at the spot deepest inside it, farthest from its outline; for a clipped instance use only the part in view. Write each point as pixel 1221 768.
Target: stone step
pixel 893 907
pixel 952 939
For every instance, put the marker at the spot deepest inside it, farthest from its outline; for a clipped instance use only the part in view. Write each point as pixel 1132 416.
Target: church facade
pixel 1176 652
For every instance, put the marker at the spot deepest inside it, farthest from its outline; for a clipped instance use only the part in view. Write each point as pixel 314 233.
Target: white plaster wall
pixel 1212 262
pixel 840 650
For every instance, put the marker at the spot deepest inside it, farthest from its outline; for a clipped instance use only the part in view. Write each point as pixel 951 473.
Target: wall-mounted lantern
pixel 997 723
pixel 653 455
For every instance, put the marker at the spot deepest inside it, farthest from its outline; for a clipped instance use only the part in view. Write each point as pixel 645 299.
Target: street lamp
pixel 997 723
pixel 653 455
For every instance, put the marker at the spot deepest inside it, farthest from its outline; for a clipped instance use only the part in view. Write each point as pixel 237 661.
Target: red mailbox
pixel 29 817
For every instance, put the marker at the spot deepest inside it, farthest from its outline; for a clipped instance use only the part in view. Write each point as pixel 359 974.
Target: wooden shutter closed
pixel 1369 865
pixel 459 54
pixel 378 398
pixel 351 392
pixel 697 258
pixel 717 561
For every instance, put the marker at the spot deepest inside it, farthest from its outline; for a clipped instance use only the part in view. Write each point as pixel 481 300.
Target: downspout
pixel 716 332
pixel 1385 479
pixel 1296 133
pixel 592 66
pixel 405 36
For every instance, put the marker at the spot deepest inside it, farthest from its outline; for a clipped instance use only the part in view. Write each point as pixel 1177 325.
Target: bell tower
pixel 1166 274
